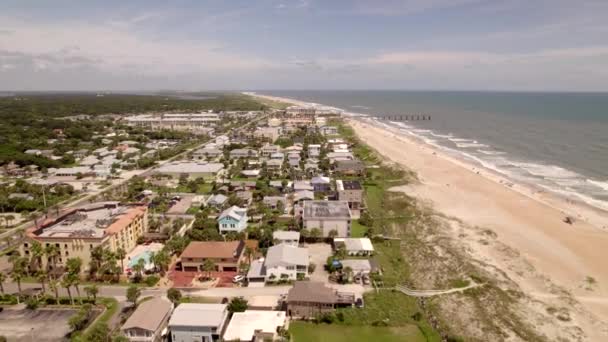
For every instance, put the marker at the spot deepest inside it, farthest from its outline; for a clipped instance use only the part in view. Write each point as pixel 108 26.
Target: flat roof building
pixel 255 325
pixel 76 232
pixel 192 169
pixel 327 216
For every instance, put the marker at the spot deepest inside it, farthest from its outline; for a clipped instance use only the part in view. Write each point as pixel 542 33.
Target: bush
pixel 31 303
pixel 8 299
pixel 152 280
pixel 237 304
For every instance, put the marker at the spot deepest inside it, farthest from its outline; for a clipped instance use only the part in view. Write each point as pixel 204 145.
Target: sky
pixel 517 45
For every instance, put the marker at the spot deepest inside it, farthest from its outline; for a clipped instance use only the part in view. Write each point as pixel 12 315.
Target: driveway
pixel 319 252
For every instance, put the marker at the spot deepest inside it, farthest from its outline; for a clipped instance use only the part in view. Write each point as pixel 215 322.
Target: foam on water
pixel 491 153
pixel 602 185
pixel 471 145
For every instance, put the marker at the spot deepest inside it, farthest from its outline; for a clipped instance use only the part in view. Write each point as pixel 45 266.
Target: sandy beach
pixel 551 261
pixel 531 223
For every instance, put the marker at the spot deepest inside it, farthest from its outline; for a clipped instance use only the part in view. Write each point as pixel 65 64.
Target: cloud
pixel 117 49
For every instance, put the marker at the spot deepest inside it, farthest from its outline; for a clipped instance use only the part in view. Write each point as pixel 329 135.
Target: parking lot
pixel 182 205
pixel 319 252
pixel 37 325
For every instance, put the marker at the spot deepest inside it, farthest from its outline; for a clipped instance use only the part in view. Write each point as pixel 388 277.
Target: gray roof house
pixel 283 262
pixel 216 201
pixel 198 322
pixel 327 216
pixel 243 153
pixel 273 201
pixel 148 321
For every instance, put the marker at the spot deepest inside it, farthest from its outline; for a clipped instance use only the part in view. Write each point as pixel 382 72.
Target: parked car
pixel 238 278
pixel 359 303
pixel 366 280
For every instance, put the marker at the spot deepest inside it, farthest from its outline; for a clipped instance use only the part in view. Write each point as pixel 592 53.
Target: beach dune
pixel 572 256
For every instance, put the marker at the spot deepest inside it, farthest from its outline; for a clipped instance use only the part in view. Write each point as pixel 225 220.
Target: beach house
pixel 327 216
pixel 198 322
pixel 148 321
pixel 233 219
pixel 350 191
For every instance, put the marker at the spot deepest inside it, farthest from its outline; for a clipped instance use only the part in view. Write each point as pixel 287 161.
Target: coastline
pixel 525 219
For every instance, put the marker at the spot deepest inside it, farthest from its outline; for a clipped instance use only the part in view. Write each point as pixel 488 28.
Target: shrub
pixel 31 303
pixel 237 304
pixel 152 280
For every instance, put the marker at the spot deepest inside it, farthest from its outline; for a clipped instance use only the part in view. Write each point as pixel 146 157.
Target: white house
pixel 255 325
pixel 286 262
pixel 233 219
pixel 198 322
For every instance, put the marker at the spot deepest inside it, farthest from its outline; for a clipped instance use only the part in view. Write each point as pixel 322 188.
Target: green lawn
pixel 385 307
pixel 373 198
pixel 310 332
pixel 357 229
pixel 204 188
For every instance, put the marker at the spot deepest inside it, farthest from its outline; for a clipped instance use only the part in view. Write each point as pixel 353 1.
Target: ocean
pixel 556 141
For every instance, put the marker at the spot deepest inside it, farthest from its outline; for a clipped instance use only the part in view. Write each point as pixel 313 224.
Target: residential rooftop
pixel 243 325
pixel 348 185
pixel 190 167
pixel 149 314
pixel 213 249
pixel 326 209
pixel 94 221
pixel 198 315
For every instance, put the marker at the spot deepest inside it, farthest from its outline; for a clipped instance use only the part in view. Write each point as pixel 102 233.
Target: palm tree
pixel 138 268
pixel 52 252
pixel 54 286
pixel 208 267
pixel 74 267
pixel 249 254
pixel 18 271
pixel 162 260
pixel 121 254
pixel 92 291
pixel 152 259
pixel 2 280
pixel 41 276
pixel 67 283
pixel 37 252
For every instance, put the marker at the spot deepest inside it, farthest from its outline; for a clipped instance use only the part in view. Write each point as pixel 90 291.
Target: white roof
pixel 191 167
pixel 283 254
pixel 235 212
pixel 356 244
pixel 286 235
pixel 199 315
pixel 243 325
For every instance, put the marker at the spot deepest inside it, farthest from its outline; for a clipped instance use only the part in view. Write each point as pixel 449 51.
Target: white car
pixel 238 278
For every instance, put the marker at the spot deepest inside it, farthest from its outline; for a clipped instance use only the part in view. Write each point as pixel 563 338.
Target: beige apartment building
pixel 76 232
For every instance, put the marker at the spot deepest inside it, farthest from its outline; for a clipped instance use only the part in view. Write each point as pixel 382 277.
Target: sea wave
pixel 491 153
pixel 546 171
pixel 471 145
pixel 603 185
pixel 448 136
pixel 457 140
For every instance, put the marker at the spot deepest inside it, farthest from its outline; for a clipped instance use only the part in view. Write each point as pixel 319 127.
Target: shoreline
pixel 575 208
pixel 526 220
